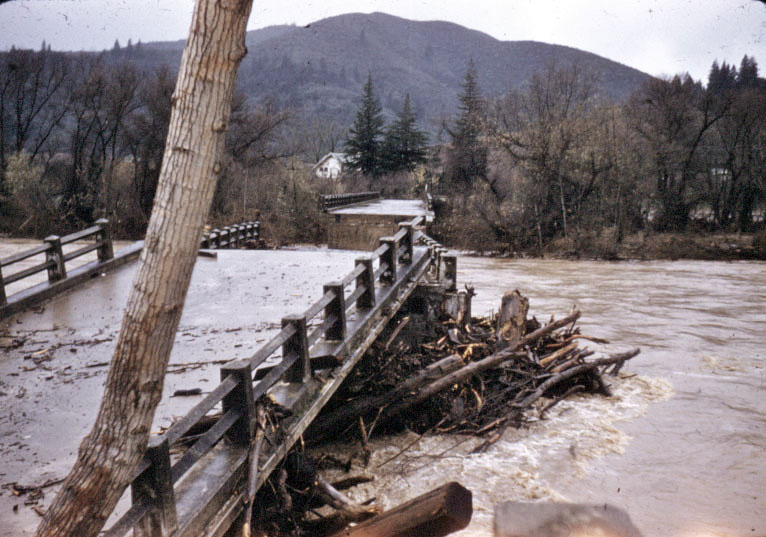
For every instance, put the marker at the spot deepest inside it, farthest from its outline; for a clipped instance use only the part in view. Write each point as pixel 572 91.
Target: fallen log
pixel 572 372
pixel 327 425
pixel 439 512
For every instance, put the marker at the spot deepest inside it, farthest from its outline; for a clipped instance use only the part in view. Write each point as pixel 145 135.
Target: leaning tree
pixel 111 452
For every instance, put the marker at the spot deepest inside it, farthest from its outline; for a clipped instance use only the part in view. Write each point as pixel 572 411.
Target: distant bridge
pixel 357 220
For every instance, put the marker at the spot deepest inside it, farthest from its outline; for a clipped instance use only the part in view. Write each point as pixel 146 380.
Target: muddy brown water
pixel 681 444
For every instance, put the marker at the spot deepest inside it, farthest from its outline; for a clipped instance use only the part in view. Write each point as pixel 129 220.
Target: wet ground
pixel 54 359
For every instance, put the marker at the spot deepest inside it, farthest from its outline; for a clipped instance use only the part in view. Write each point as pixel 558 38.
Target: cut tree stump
pixel 512 319
pixel 439 512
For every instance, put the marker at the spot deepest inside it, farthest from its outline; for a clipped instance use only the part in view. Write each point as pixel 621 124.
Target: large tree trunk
pixel 109 455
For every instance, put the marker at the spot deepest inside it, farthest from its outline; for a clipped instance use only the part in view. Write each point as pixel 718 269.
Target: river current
pixel 681 443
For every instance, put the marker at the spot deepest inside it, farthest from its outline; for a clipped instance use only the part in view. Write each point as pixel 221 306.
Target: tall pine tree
pixel 467 157
pixel 404 146
pixel 364 145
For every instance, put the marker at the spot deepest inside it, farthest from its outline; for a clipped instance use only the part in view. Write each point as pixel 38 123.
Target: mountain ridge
pixel 320 68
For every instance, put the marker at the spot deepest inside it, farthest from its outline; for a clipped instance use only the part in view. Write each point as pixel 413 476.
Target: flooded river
pixel 681 444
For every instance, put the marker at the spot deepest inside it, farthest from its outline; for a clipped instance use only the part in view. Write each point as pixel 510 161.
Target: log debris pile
pixel 468 376
pixel 430 373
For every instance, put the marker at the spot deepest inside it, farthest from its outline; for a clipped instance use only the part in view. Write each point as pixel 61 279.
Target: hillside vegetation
pixel 320 67
pixel 527 146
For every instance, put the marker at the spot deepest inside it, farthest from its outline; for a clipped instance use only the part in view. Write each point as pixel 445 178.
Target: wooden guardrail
pixel 55 259
pixel 231 236
pixel 60 276
pixel 333 201
pixel 202 492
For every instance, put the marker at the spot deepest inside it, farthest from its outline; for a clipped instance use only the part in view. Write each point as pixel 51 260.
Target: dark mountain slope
pixel 321 67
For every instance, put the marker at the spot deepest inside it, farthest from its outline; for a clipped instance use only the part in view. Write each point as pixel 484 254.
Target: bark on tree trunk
pixel 109 455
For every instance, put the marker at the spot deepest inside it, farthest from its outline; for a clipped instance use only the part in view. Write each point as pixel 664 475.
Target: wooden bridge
pixel 355 221
pixel 203 491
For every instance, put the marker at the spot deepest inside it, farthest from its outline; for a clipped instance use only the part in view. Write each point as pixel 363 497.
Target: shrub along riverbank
pixel 649 246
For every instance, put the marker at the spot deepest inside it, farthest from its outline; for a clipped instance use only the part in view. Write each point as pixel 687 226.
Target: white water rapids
pixel 681 443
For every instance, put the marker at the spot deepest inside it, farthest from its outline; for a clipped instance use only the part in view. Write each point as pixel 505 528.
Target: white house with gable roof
pixel 330 166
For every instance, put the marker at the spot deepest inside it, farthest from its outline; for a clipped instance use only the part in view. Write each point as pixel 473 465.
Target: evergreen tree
pixel 721 80
pixel 467 158
pixel 364 142
pixel 748 73
pixel 404 146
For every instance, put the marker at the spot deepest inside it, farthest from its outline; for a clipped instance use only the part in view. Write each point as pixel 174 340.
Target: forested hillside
pixel 320 68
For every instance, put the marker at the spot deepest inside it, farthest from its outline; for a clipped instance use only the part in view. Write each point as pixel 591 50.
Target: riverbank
pixel 649 247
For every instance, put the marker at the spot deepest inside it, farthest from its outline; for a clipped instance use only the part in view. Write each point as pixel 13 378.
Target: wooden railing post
pixel 236 230
pixel 106 250
pixel 299 344
pixel 226 242
pixel 156 485
pixel 3 297
pixel 450 271
pixel 409 241
pixel 54 257
pixel 256 230
pixel 366 279
pixel 389 258
pixel 336 309
pixel 240 398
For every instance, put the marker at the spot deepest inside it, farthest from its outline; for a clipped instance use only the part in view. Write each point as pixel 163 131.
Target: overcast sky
pixel 655 36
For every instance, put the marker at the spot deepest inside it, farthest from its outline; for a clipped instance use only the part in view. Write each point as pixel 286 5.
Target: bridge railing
pixel 231 236
pixel 154 510
pixel 333 201
pixel 55 258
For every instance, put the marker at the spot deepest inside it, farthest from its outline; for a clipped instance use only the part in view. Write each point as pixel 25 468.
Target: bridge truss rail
pixel 203 492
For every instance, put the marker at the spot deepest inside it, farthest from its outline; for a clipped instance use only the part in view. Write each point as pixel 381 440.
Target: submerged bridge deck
pixel 53 372
pixel 356 222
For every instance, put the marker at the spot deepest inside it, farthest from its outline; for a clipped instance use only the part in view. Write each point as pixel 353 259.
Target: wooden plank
pixel 81 251
pixel 436 513
pixel 271 346
pixel 26 254
pixel 182 426
pixel 207 487
pixel 80 235
pixel 16 276
pixel 204 443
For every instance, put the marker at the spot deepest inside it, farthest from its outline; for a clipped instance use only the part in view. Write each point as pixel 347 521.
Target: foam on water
pixel 562 442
